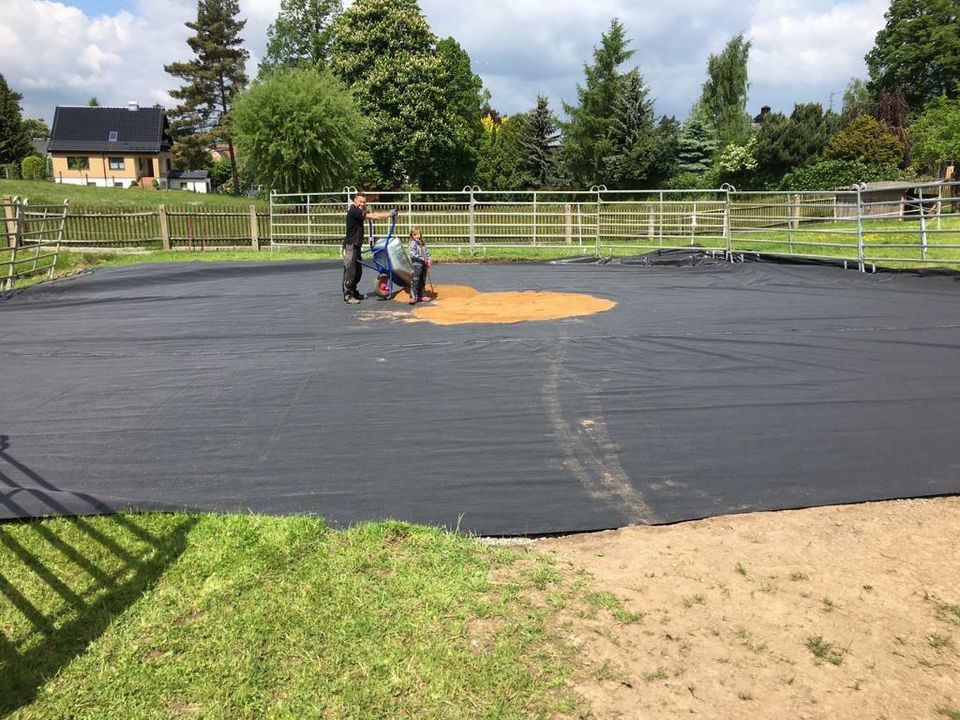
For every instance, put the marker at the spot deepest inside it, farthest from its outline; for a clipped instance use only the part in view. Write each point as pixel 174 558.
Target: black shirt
pixel 355 218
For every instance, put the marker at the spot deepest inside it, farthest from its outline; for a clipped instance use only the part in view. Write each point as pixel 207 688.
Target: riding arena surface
pixel 655 394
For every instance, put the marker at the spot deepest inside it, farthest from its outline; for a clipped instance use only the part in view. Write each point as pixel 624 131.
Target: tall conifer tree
pixel 587 142
pixel 539 147
pixel 212 80
pixel 14 143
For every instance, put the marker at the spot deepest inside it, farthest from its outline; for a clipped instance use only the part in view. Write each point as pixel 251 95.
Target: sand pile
pixel 459 305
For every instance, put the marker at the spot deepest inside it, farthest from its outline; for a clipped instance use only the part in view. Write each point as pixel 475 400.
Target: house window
pixel 116 163
pixel 78 163
pixel 113 136
pixel 118 184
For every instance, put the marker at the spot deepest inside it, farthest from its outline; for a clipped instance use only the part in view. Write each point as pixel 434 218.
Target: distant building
pixel 195 180
pixel 111 147
pixel 758 120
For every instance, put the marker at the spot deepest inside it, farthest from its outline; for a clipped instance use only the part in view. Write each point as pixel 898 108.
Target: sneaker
pixel 351 300
pixel 359 295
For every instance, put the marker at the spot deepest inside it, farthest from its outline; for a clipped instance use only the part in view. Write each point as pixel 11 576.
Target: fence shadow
pixel 63 582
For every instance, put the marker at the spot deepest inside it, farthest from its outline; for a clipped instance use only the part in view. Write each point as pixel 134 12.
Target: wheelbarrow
pixel 389 260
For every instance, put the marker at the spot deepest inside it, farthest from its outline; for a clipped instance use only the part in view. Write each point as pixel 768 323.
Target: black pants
pixel 352 270
pixel 417 279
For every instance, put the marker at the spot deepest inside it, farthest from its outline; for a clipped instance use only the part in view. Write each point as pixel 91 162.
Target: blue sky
pixel 802 50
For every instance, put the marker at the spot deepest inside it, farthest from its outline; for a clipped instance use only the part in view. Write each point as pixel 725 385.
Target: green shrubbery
pixel 831 174
pixel 33 168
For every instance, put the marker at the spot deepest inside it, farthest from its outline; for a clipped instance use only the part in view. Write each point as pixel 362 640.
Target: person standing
pixel 420 259
pixel 357 215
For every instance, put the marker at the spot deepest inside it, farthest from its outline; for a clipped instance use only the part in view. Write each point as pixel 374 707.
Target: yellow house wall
pixel 100 166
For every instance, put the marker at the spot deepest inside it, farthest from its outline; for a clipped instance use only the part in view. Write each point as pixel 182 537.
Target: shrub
pixel 868 141
pixel 832 174
pixel 10 171
pixel 33 167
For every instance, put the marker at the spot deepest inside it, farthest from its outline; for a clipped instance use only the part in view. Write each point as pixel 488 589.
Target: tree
pixel 935 134
pixel 93 102
pixel 696 143
pixel 301 34
pixel 539 147
pixel 14 143
pixel 456 161
pixel 298 129
pixel 867 141
pixel 587 141
pixel 724 95
pixel 663 155
pixel 419 133
pixel 632 133
pixel 36 128
pixel 918 50
pixel 213 78
pixel 856 101
pixel 785 143
pixel 498 164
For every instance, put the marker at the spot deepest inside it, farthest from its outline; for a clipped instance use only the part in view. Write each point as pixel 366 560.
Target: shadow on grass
pixel 63 582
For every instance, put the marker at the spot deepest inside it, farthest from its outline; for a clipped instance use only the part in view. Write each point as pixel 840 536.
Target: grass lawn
pixel 226 616
pixel 49 193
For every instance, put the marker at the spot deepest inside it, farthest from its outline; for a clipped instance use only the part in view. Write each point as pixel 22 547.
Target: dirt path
pixel 836 612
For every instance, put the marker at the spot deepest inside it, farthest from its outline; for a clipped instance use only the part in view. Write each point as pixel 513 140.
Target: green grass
pixel 823 650
pixel 166 615
pixel 50 193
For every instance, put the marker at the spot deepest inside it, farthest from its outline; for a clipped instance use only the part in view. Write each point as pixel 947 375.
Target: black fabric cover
pixel 710 388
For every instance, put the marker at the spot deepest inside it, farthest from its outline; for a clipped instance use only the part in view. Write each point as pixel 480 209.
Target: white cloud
pixel 803 43
pixel 802 49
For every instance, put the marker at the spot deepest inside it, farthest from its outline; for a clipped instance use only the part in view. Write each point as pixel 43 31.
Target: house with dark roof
pixel 111 147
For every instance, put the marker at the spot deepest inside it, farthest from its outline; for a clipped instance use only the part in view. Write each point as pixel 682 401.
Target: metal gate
pixel 31 240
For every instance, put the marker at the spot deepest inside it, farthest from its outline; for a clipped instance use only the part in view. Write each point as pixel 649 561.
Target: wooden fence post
pixel 568 223
pixel 9 222
pixel 254 229
pixel 164 227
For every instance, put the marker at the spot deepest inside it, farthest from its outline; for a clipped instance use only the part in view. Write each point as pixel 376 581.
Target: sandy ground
pixel 461 305
pixel 836 612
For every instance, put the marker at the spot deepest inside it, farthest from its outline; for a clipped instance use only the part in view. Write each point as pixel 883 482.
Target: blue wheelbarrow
pixel 389 260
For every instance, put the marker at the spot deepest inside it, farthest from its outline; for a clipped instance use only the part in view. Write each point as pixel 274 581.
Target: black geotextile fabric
pixel 708 389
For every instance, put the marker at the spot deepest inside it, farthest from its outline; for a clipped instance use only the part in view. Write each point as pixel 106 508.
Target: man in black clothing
pixel 357 215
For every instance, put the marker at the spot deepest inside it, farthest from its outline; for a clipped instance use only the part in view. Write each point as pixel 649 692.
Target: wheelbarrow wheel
pixel 382 286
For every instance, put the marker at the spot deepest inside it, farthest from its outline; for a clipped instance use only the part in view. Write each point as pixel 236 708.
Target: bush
pixel 868 141
pixel 33 167
pixel 10 171
pixel 832 174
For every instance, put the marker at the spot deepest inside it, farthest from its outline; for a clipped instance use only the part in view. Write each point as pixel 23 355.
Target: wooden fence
pixel 164 227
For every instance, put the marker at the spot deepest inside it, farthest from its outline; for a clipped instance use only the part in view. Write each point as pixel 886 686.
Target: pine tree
pixel 786 143
pixel 724 96
pixel 632 133
pixel 587 135
pixel 696 143
pixel 213 78
pixel 14 143
pixel 539 147
pixel 301 34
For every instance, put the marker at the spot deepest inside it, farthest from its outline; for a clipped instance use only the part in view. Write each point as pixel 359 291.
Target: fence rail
pixel 918 223
pixel 31 240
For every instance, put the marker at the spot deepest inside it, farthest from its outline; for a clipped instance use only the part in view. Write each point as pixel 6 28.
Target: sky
pixel 63 53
